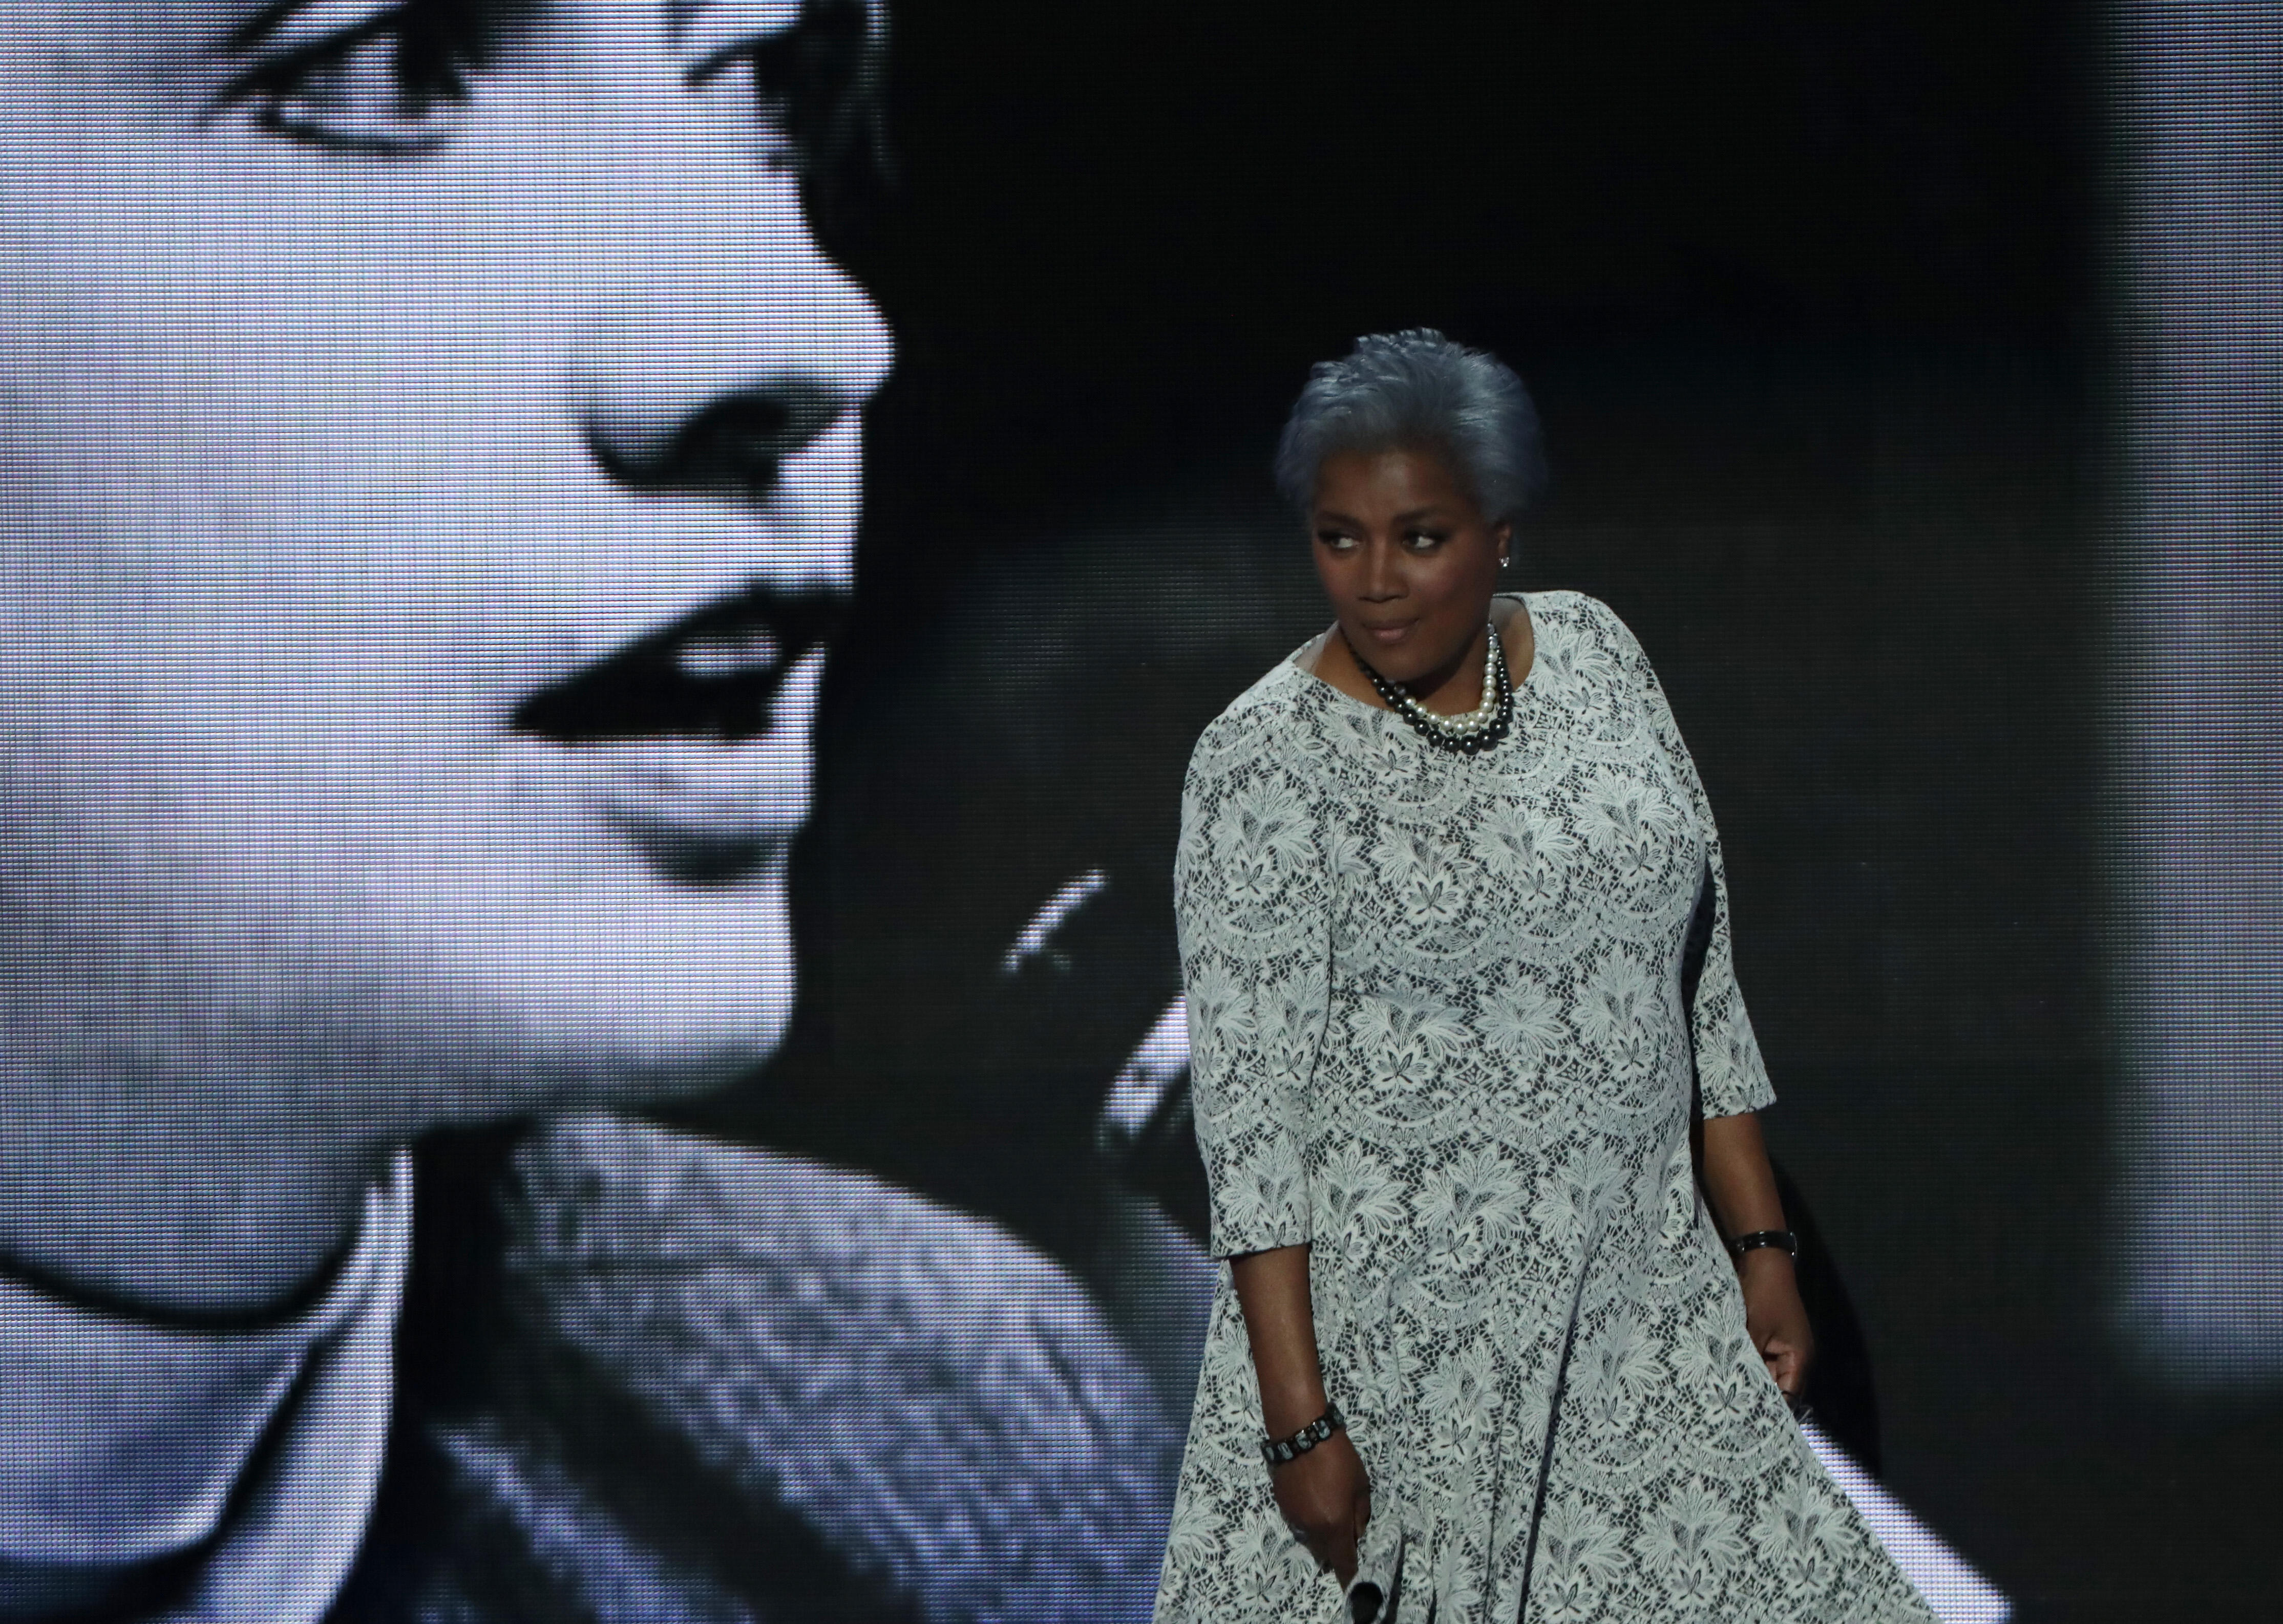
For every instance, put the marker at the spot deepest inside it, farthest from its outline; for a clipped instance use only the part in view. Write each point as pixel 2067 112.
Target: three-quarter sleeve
pixel 1252 899
pixel 1731 1076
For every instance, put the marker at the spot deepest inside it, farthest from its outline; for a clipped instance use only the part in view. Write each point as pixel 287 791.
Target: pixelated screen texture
pixel 2197 702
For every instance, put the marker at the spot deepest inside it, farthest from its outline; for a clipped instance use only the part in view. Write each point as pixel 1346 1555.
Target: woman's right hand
pixel 1326 1496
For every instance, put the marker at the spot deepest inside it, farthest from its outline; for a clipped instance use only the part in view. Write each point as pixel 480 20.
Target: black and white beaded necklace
pixel 1468 734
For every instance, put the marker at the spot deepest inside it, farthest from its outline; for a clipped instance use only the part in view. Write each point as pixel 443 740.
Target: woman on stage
pixel 1454 933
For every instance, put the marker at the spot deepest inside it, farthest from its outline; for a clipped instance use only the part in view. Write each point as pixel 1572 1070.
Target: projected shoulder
pixel 834 1346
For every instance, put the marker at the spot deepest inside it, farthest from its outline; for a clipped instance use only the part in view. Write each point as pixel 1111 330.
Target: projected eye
pixel 397 86
pixel 757 108
pixel 758 78
pixel 793 84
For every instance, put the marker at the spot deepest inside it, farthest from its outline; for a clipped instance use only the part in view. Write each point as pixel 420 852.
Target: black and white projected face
pixel 430 436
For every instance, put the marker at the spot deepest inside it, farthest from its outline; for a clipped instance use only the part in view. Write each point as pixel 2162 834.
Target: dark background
pixel 1812 298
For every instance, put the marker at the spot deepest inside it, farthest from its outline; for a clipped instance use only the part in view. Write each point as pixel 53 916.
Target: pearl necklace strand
pixel 1470 733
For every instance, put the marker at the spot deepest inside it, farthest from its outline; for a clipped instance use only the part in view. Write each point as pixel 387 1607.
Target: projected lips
pixel 694 740
pixel 714 675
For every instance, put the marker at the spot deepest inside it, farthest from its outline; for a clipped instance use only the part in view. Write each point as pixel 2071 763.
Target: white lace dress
pixel 1437 1025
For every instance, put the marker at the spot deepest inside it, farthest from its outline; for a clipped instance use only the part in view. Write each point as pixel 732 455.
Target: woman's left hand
pixel 1775 1318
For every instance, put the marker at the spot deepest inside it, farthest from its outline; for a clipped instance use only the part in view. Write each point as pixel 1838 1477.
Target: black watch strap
pixel 1760 1238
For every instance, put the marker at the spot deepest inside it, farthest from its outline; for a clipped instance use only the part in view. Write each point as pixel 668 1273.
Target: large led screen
pixel 603 608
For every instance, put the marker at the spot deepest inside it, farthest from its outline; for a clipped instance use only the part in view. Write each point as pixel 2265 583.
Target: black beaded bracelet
pixel 1276 1451
pixel 1759 1238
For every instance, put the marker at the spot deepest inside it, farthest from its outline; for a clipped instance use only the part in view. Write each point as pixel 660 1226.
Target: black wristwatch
pixel 1760 1238
pixel 1276 1451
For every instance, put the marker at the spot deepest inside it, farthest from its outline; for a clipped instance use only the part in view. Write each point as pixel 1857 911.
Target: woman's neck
pixel 1455 689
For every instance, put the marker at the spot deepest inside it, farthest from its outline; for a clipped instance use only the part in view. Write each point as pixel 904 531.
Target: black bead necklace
pixel 1467 734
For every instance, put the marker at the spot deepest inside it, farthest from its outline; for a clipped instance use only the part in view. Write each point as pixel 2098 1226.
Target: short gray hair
pixel 1418 388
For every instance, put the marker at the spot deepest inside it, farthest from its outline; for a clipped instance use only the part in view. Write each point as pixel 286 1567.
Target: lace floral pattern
pixel 1438 1030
